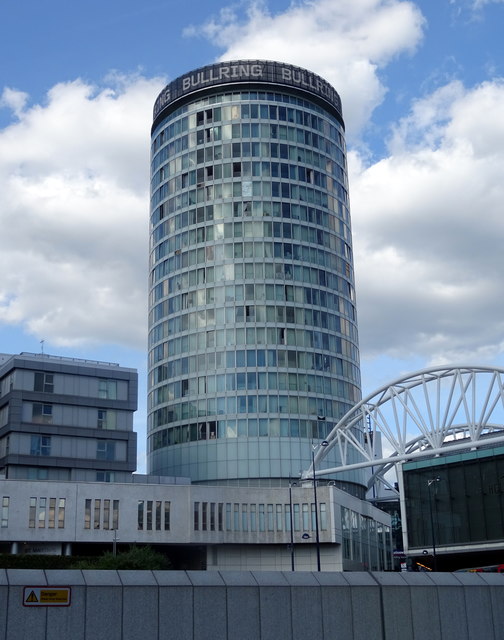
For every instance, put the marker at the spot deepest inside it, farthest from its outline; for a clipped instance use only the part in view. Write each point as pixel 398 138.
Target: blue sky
pixel 423 99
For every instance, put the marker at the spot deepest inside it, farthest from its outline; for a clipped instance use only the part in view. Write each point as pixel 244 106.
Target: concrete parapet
pixel 194 605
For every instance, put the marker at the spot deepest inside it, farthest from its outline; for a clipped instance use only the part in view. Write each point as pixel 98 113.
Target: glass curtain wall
pixel 253 350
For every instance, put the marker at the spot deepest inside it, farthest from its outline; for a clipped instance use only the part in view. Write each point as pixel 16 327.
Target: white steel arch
pixel 429 412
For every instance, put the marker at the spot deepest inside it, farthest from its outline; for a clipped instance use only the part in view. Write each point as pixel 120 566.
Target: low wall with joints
pixel 199 605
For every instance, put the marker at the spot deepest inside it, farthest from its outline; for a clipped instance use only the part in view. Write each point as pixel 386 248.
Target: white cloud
pixel 429 231
pixel 347 42
pixel 14 100
pixel 479 4
pixel 74 212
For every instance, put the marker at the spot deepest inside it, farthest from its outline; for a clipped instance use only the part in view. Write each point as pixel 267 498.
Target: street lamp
pixel 291 484
pixel 114 542
pixel 434 557
pixel 324 443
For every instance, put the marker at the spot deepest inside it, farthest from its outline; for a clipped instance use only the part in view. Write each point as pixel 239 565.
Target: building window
pixel 5 512
pixel 355 535
pixel 87 515
pixel 44 382
pixel 61 513
pixel 140 517
pixel 115 514
pixel 105 450
pixel 107 389
pixel 262 524
pixel 46 513
pixel 204 511
pixel 149 515
pixel 296 518
pixel 228 516
pixel 106 419
pixel 52 513
pixel 42 413
pixel 279 517
pixel 287 517
pixel 196 516
pixel 212 516
pixel 253 522
pixel 106 514
pixel 40 446
pixel 167 506
pixel 345 529
pixel 97 513
pixel 37 473
pixel 323 517
pixel 33 513
pixel 271 526
pixel 244 518
pixel 4 415
pixel 42 513
pixel 105 476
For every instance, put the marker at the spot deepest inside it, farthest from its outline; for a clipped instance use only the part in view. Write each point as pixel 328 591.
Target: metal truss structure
pixel 431 412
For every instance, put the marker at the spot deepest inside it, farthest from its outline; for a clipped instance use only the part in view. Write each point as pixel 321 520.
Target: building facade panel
pixel 455 502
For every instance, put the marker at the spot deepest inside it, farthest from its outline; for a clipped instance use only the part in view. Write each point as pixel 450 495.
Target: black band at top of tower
pixel 248 75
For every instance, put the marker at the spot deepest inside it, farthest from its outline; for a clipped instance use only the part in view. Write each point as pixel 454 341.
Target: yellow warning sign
pixel 46 596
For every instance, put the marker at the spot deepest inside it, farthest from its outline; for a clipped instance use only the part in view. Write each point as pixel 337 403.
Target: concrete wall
pixel 194 605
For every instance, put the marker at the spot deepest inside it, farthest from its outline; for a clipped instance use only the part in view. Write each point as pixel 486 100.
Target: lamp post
pixel 291 484
pixel 434 557
pixel 324 443
pixel 114 543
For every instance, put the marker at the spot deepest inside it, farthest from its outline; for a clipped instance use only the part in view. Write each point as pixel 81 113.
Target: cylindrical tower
pixel 253 352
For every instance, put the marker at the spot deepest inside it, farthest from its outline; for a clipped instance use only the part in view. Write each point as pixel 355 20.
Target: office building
pixel 253 351
pixel 66 419
pixel 454 506
pixel 196 526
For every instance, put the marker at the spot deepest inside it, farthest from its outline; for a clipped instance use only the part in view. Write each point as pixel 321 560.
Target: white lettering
pixel 286 74
pixel 222 73
pixel 215 74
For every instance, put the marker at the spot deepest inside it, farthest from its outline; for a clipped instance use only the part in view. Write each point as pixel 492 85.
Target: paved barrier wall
pixel 199 605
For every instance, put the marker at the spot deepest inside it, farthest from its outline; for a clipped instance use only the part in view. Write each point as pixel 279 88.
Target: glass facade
pixel 465 498
pixel 253 350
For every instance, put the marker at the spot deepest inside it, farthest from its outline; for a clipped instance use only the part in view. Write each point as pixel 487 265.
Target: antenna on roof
pixel 42 347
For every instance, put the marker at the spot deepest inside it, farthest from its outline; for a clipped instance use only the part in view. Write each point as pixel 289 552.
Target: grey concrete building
pixel 253 348
pixel 66 419
pixel 197 526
